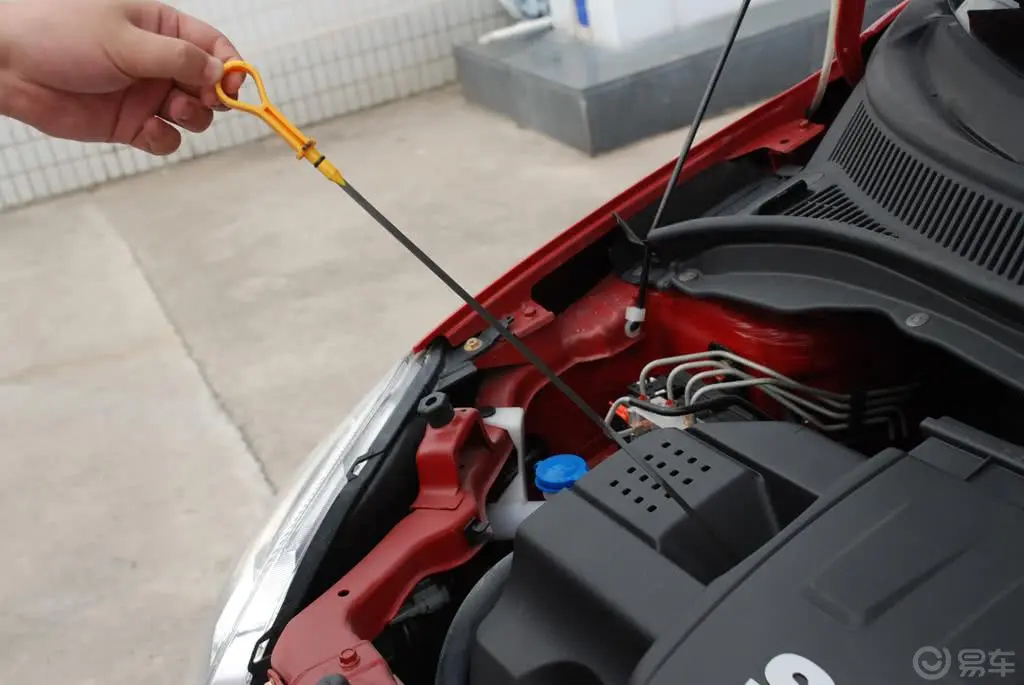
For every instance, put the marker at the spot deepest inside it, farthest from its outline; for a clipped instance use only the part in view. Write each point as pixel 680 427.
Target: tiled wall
pixel 320 59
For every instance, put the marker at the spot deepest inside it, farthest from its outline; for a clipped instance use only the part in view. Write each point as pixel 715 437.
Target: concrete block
pixel 599 97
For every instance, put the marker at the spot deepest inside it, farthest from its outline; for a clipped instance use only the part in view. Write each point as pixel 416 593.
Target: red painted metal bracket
pixel 848 41
pixel 457 465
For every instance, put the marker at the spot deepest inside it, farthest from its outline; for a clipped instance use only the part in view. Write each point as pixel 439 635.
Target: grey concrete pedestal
pixel 597 99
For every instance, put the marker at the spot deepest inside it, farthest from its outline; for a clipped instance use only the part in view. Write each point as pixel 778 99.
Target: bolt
pixel 529 311
pixel 477 532
pixel 473 344
pixel 689 275
pixel 348 658
pixel 805 124
pixel 917 320
pixel 437 409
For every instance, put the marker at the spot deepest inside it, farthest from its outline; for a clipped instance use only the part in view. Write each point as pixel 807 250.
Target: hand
pixel 116 71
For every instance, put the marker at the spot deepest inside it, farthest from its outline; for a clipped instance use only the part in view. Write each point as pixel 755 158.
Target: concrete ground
pixel 171 347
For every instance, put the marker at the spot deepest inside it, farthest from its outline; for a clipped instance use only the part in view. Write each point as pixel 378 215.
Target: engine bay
pixel 612 584
pixel 822 413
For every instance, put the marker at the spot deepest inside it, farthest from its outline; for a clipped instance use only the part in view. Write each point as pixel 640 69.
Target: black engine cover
pixel 902 553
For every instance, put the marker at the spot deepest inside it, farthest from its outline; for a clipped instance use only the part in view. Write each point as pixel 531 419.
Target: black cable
pixel 533 359
pixel 684 154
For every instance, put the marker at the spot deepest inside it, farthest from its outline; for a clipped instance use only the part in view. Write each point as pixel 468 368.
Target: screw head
pixel 473 344
pixel 917 320
pixel 529 311
pixel 689 275
pixel 348 658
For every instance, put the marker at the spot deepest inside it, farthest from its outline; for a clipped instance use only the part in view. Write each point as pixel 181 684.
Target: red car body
pixel 334 634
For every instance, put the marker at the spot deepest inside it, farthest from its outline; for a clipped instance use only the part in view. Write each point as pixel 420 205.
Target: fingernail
pixel 214 70
pixel 188 113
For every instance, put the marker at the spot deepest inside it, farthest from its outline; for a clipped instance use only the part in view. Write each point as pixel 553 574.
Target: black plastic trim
pixel 793 264
pixel 722 588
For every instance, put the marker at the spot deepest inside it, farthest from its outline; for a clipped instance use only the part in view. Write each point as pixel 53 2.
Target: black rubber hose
pixel 453 664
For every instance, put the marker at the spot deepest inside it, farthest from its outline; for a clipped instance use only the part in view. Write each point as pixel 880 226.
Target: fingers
pixel 157 137
pixel 216 44
pixel 141 54
pixel 157 17
pixel 187 111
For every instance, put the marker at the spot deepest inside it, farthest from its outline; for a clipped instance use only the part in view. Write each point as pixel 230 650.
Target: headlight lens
pixel 263 576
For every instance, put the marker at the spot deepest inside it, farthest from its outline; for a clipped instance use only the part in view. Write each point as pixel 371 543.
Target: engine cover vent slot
pixel 731 499
pixel 969 223
pixel 832 204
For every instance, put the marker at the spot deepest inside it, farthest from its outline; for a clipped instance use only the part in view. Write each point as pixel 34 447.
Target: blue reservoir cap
pixel 559 472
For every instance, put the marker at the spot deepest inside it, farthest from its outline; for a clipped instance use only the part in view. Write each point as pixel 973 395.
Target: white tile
pixel 127 161
pixel 395 57
pixel 67 176
pixel 404 30
pixel 30 156
pixel 305 59
pixel 53 180
pixel 61 149
pixel 403 82
pixel 408 54
pixel 23 188
pixel 83 176
pixel 45 152
pixel 283 90
pixel 316 109
pixel 320 78
pixel 37 180
pixel 389 90
pixel 447 70
pixel 12 163
pixel 301 115
pixel 337 98
pixel 112 166
pixel 378 37
pixel 98 170
pixel 8 193
pixel 333 76
pixel 363 97
pixel 77 150
pixel 306 82
pixel 21 133
pixel 360 70
pixel 376 92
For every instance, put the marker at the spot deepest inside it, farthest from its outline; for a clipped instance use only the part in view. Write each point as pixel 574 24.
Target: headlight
pixel 258 587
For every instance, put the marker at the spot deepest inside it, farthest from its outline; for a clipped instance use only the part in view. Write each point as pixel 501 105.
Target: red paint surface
pixel 587 346
pixel 457 465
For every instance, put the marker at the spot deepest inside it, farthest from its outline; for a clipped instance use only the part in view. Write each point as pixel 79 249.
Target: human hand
pixel 115 71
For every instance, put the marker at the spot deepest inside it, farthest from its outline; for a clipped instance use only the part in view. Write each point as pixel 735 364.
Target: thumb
pixel 150 55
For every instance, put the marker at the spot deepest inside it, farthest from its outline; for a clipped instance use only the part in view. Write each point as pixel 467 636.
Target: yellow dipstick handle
pixel 304 146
